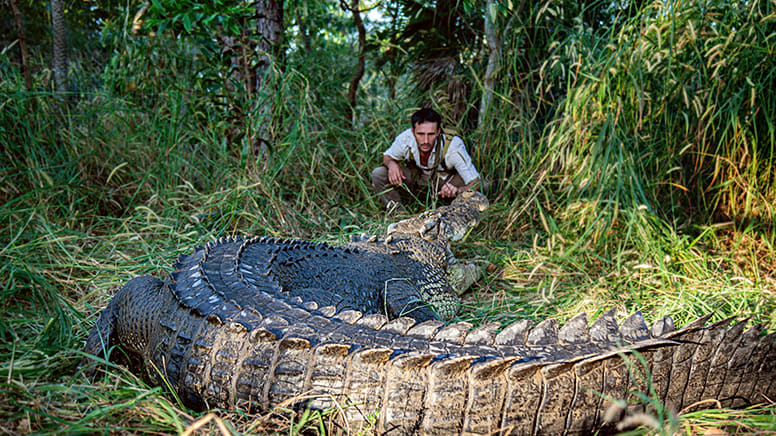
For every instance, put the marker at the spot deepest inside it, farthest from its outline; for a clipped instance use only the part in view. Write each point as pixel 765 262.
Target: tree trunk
pixel 60 59
pixel 24 57
pixel 494 55
pixel 269 29
pixel 355 79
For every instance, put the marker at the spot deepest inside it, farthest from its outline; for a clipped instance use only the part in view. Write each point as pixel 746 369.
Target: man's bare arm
pixel 449 190
pixel 395 174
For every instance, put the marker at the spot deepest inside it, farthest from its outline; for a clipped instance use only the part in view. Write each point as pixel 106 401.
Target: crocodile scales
pixel 228 329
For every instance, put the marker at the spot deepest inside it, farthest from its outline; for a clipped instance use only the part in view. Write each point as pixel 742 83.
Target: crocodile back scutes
pixel 542 379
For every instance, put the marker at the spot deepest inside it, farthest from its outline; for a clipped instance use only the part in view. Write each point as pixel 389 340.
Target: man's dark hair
pixel 426 115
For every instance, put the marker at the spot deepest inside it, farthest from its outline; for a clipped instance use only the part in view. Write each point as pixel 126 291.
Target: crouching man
pixel 424 159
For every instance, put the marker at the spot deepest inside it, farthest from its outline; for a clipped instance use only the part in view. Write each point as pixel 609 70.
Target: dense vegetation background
pixel 630 146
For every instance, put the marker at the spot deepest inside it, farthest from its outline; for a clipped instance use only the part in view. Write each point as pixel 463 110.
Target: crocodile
pixel 249 323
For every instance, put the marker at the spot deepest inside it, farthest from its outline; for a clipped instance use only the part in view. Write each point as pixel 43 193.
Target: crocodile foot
pixel 462 275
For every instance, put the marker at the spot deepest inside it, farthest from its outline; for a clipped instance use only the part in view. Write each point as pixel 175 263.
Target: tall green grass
pixel 645 184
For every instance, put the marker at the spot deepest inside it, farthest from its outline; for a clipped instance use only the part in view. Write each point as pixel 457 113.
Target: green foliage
pixel 648 115
pixel 205 19
pixel 84 21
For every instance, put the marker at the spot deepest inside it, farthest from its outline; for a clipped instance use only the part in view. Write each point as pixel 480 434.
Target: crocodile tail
pixel 103 336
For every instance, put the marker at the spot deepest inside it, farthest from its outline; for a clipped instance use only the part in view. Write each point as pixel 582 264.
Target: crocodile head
pixel 472 199
pixel 447 223
pixel 468 207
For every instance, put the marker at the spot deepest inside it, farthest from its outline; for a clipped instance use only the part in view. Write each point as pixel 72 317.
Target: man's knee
pixel 379 176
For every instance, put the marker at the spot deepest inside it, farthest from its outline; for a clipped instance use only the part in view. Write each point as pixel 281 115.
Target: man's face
pixel 426 133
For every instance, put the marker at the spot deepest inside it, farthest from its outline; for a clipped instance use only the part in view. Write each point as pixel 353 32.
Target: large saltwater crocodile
pixel 252 322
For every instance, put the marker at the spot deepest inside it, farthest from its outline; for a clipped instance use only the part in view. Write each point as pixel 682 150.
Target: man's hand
pixel 395 174
pixel 448 191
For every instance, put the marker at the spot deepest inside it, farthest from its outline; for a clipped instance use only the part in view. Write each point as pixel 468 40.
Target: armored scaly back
pixel 249 323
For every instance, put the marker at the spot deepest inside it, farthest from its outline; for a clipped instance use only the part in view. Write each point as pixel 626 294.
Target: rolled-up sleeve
pixel 457 157
pixel 400 149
